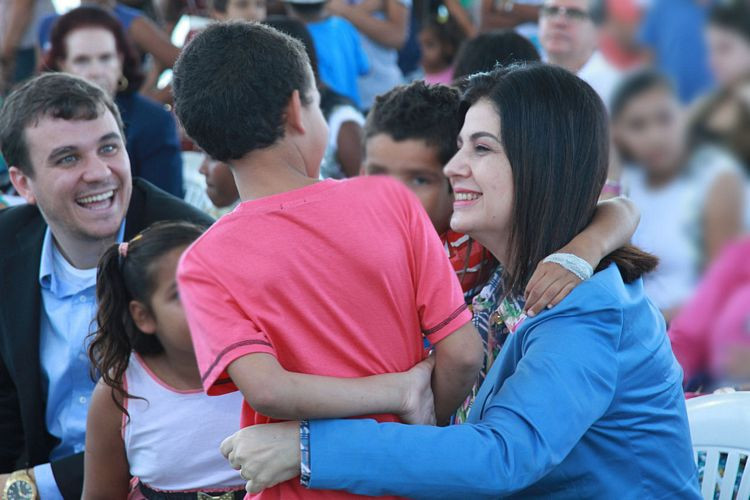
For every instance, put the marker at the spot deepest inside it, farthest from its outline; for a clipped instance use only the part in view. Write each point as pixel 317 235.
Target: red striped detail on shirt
pixel 228 349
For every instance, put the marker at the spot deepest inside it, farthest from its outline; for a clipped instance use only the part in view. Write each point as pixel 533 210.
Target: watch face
pixel 20 490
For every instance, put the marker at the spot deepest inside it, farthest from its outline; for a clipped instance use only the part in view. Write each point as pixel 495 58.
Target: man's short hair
pixel 53 95
pixel 418 111
pixel 232 84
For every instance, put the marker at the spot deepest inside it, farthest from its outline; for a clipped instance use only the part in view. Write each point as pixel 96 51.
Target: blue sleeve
pixel 126 15
pixel 650 28
pixel 531 421
pixel 43 30
pixel 45 483
pixel 158 152
pixel 363 64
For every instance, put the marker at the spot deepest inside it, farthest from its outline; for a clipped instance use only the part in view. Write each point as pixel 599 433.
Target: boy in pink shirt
pixel 311 297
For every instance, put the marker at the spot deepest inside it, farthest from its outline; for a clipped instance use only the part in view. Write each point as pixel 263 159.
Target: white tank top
pixel 671 224
pixel 172 438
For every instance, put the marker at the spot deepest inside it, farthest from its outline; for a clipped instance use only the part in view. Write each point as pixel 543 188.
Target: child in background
pixel 439 41
pixel 238 10
pixel 690 197
pixel 220 186
pixel 343 156
pixel 149 418
pixel 341 58
pixel 410 134
pixel 311 296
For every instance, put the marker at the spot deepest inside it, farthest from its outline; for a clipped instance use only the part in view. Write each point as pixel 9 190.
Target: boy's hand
pixel 265 455
pixel 549 284
pixel 419 402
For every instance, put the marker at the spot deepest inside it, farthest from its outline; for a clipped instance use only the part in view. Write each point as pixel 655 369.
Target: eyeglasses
pixel 571 13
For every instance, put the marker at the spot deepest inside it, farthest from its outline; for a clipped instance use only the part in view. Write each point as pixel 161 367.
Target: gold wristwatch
pixel 20 486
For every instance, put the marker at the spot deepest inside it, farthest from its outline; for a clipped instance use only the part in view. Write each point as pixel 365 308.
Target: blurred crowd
pixel 674 76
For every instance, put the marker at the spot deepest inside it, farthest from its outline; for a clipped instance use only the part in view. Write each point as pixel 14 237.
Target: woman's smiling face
pixel 482 181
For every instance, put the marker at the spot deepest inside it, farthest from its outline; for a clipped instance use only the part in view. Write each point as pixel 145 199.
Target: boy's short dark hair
pixel 488 50
pixel 54 95
pixel 297 30
pixel 418 111
pixel 232 84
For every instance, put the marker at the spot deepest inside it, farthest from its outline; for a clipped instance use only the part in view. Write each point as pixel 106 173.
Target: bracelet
pixel 572 263
pixel 304 448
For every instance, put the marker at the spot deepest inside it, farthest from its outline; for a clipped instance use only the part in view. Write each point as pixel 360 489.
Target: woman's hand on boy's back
pixel 419 402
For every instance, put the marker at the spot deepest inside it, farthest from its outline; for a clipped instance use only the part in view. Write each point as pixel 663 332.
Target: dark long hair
pixel 120 280
pixel 91 16
pixel 555 134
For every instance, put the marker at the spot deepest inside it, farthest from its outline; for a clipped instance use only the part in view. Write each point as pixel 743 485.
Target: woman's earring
pixel 122 84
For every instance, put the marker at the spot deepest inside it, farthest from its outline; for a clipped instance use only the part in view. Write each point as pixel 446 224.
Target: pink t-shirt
pixel 716 320
pixel 341 278
pixel 444 77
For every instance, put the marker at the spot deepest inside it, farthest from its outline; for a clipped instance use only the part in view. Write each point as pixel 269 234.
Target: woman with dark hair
pixel 90 43
pixel 585 400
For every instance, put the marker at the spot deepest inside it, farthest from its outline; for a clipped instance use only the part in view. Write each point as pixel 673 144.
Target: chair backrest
pixel 720 430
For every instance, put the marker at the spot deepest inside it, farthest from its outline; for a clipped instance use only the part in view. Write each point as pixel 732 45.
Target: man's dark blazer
pixel 24 440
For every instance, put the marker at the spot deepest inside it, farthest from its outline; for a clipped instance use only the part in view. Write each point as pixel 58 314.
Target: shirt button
pixel 82 299
pixel 82 400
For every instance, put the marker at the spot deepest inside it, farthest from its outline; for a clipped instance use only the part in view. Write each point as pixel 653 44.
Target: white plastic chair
pixel 720 430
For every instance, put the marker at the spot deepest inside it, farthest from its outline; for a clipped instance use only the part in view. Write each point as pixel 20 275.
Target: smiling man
pixel 570 37
pixel 63 141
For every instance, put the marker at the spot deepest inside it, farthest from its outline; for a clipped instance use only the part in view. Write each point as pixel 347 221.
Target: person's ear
pixel 23 183
pixel 142 317
pixel 294 113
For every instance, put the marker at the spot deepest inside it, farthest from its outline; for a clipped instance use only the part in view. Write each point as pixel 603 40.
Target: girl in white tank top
pixel 151 431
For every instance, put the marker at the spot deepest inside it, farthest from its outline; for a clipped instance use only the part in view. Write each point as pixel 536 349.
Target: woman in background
pixel 90 43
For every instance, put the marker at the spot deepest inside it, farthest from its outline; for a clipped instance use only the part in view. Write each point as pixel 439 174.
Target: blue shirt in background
pixel 674 31
pixel 68 314
pixel 341 58
pixel 152 142
pixel 585 401
pixel 384 72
